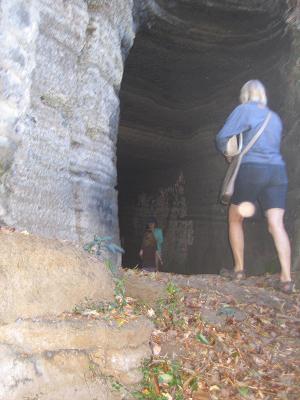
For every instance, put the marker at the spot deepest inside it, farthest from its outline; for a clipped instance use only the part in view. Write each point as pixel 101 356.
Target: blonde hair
pixel 253 90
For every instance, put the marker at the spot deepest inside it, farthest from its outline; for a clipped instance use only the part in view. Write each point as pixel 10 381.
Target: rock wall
pixel 47 350
pixel 19 30
pixel 291 143
pixel 170 209
pixel 62 64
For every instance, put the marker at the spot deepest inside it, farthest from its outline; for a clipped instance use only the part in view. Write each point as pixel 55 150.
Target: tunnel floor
pixel 236 340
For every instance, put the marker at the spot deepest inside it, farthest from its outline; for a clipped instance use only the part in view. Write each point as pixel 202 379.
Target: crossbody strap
pixel 257 135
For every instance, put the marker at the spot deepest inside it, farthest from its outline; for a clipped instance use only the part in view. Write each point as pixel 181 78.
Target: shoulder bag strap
pixel 257 135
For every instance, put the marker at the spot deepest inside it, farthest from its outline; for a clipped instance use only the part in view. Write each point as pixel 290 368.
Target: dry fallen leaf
pixel 156 349
pixel 240 358
pixel 201 395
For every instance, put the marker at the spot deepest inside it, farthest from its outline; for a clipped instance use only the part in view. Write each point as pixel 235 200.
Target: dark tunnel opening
pixel 181 80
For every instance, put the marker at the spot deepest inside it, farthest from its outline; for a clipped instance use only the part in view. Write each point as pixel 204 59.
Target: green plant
pixel 89 307
pixel 169 309
pixel 111 266
pixel 165 378
pixel 141 307
pixel 172 289
pixel 101 243
pixel 244 391
pixel 120 294
pixel 117 386
pixel 77 309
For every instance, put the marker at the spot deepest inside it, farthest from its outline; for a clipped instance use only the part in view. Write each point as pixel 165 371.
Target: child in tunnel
pixel 148 251
pixel 152 246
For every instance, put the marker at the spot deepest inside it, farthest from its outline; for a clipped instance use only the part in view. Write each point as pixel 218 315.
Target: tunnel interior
pixel 181 79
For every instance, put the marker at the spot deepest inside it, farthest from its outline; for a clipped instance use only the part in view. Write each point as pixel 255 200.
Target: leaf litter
pixel 255 357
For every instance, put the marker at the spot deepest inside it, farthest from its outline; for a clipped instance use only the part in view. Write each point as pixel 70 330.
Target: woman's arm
pixel 236 123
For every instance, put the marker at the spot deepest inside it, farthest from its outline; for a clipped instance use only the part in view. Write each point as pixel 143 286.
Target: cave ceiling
pixel 189 60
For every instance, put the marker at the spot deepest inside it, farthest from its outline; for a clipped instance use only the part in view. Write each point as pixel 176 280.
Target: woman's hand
pixel 229 159
pixel 141 253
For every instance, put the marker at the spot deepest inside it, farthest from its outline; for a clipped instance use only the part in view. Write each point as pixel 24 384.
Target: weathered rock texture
pixel 62 65
pixel 59 179
pixel 46 351
pixel 49 376
pixel 41 277
pixel 64 359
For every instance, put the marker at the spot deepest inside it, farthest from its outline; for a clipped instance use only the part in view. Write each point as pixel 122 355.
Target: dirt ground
pixel 218 339
pixel 212 339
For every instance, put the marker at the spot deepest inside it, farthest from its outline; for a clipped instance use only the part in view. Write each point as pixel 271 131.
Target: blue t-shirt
pixel 158 234
pixel 248 118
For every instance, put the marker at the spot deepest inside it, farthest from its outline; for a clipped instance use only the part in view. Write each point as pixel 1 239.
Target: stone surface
pixel 54 334
pixel 49 376
pixel 60 182
pixel 40 276
pixel 46 351
pixel 19 29
pixel 143 287
pixel 115 351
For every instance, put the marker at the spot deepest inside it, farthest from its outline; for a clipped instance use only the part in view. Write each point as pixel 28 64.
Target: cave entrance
pixel 181 79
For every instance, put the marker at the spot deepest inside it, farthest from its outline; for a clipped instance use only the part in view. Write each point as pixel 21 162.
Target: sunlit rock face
pixel 62 63
pixel 62 67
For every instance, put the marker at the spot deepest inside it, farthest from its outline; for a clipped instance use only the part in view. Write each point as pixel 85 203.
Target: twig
pixel 287 317
pixel 156 385
pixel 188 381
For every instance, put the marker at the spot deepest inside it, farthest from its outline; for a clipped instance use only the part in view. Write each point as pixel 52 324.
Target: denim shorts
pixel 262 183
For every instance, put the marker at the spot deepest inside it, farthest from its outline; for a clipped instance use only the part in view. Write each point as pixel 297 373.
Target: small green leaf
pixel 114 248
pixel 202 338
pixel 228 311
pixel 102 238
pixel 244 391
pixel 165 378
pixel 88 246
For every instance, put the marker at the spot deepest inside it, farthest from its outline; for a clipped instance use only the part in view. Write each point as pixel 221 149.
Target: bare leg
pixel 156 262
pixel 281 240
pixel 236 237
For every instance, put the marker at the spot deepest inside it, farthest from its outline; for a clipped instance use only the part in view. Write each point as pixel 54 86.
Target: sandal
pixel 232 274
pixel 287 287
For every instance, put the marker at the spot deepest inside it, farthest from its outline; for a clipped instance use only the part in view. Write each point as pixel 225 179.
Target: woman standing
pixel 157 235
pixel 262 177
